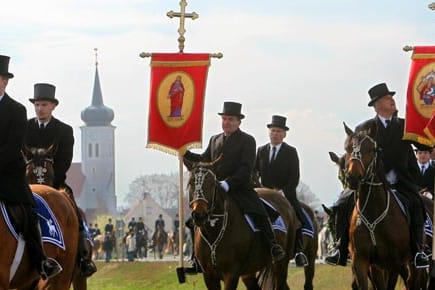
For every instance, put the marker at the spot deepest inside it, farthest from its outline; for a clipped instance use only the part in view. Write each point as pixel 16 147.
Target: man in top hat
pixel 14 189
pixel 277 166
pixel 425 177
pixel 400 166
pixel 44 131
pixel 235 169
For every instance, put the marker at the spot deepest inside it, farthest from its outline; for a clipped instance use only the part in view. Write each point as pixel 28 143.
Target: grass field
pixel 162 275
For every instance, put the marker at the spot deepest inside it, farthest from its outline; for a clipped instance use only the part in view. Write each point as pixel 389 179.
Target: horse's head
pixel 332 220
pixel 361 157
pixel 39 165
pixel 341 163
pixel 203 186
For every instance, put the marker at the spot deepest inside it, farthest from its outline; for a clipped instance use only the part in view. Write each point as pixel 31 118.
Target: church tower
pixel 98 158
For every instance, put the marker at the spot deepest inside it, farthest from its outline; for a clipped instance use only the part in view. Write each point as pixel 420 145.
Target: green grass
pixel 162 275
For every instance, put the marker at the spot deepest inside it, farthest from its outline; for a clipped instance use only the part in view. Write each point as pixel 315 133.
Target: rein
pixel 368 179
pixel 198 195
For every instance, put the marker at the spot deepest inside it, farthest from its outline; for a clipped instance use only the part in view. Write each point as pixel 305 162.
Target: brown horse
pixel 225 245
pixel 375 243
pixel 26 277
pixel 310 246
pixel 39 170
pixel 159 241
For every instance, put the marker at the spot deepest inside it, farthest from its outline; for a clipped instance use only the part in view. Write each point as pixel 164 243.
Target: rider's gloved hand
pixel 224 185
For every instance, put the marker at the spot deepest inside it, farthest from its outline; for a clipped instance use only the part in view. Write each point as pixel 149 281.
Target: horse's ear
pixel 334 158
pixel 51 149
pixel 188 163
pixel 27 152
pixel 327 209
pixel 347 129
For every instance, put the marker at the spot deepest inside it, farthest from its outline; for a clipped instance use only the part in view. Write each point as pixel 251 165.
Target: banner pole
pixel 181 211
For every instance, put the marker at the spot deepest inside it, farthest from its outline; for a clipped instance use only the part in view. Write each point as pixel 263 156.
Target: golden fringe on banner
pixel 172 151
pixel 417 138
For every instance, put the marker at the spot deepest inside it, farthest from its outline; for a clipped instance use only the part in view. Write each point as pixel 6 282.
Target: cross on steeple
pixel 182 14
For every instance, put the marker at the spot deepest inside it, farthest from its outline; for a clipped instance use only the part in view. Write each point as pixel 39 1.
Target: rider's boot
pixel 195 267
pixel 47 267
pixel 276 251
pixel 339 255
pixel 87 266
pixel 301 259
pixel 421 259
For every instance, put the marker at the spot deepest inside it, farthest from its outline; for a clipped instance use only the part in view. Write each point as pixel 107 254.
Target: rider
pixel 43 131
pixel 14 189
pixel 400 167
pixel 277 165
pixel 159 222
pixel 237 151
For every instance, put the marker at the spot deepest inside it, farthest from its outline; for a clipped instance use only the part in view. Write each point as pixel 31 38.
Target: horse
pixel 375 243
pixel 226 247
pixel 172 244
pixel 97 249
pixel 310 246
pixel 142 243
pixel 39 170
pixel 159 242
pixel 20 273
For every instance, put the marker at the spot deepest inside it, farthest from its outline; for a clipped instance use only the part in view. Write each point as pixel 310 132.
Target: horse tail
pixel 266 278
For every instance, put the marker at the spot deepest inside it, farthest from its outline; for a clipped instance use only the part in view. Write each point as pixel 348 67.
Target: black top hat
pixel 4 66
pixel 421 147
pixel 378 92
pixel 278 121
pixel 232 109
pixel 44 92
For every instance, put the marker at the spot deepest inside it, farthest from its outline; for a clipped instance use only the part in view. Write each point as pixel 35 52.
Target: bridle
pixel 367 179
pixel 199 174
pixel 39 168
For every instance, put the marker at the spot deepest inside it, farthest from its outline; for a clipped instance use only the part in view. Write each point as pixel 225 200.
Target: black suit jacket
pixel 426 180
pixel 59 134
pixel 13 184
pixel 235 167
pixel 396 153
pixel 284 171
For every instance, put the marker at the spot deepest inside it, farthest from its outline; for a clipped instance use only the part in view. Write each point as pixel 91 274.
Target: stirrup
pixel 301 257
pixel 87 268
pixel 57 268
pixel 424 256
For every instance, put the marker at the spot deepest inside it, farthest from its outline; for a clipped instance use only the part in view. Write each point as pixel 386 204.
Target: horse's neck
pixel 373 199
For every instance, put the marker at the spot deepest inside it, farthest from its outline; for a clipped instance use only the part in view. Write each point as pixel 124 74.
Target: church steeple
pixel 97 114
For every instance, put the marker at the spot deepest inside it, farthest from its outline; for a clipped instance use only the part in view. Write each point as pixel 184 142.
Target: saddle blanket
pixel 428 224
pixel 278 223
pixel 50 229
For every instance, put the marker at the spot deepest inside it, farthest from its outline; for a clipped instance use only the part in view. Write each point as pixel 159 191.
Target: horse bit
pixel 370 173
pixel 198 194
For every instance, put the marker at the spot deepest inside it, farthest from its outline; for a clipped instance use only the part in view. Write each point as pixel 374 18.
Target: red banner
pixel 420 102
pixel 177 92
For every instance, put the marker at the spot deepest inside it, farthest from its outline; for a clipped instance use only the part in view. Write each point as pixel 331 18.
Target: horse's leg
pixel 360 270
pixel 251 282
pixel 230 282
pixel 280 276
pixel 310 251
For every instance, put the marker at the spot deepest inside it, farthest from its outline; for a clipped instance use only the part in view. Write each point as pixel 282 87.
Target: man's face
pixel 230 124
pixel 44 110
pixel 386 105
pixel 276 135
pixel 3 83
pixel 423 156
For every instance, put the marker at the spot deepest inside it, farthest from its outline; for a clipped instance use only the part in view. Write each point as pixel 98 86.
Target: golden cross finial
pixel 432 6
pixel 182 14
pixel 96 56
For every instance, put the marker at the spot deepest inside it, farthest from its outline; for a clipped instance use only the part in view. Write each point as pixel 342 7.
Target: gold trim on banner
pixel 417 138
pixel 431 137
pixel 180 63
pixel 180 152
pixel 423 56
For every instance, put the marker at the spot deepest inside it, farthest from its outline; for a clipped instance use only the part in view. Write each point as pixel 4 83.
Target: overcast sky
pixel 311 61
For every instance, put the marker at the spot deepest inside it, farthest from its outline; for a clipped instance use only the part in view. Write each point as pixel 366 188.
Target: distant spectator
pixel 109 227
pixel 108 245
pixel 131 224
pixel 131 245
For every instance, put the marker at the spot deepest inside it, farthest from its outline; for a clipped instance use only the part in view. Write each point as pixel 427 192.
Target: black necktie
pixel 423 169
pixel 272 158
pixel 387 123
pixel 41 126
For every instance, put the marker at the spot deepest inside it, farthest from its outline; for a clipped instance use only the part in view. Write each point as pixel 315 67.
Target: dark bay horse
pixel 225 245
pixel 39 170
pixel 376 244
pixel 25 276
pixel 159 241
